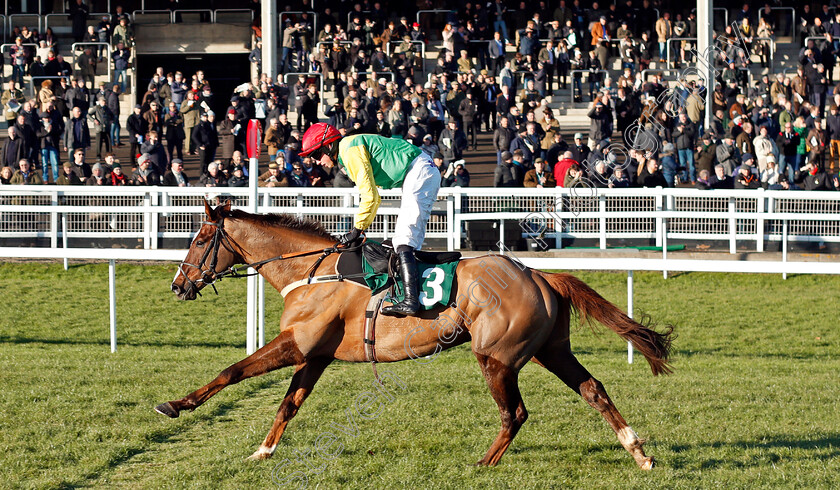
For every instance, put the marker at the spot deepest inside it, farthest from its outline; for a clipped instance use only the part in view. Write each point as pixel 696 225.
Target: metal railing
pixel 73 51
pixel 668 46
pixel 232 12
pixel 13 21
pixel 793 25
pixel 658 215
pixel 816 39
pixel 192 13
pixel 434 11
pixel 157 16
pixel 33 87
pixel 8 45
pixel 572 78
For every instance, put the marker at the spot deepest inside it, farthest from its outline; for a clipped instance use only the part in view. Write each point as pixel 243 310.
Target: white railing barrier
pixel 151 214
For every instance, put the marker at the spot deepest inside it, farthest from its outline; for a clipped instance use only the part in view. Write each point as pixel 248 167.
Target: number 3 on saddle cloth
pixel 378 263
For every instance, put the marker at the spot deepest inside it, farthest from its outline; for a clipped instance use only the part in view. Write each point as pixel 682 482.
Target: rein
pixel 210 276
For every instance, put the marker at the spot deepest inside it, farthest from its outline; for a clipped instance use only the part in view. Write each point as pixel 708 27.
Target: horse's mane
pixel 287 221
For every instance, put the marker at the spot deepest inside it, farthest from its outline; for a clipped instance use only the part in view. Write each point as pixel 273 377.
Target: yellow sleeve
pixel 356 161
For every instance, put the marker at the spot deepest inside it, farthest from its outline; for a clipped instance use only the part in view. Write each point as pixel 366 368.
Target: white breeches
pixel 419 192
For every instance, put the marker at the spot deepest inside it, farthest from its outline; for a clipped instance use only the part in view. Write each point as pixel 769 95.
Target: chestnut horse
pixel 322 322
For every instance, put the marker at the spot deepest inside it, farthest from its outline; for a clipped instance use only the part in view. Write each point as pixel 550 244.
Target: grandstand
pixel 220 39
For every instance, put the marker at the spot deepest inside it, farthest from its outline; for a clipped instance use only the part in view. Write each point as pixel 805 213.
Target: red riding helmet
pixel 317 136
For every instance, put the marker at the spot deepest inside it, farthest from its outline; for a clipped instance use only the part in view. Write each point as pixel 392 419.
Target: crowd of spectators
pixel 500 65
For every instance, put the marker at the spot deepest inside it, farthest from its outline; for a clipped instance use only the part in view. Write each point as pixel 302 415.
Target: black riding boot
pixel 410 305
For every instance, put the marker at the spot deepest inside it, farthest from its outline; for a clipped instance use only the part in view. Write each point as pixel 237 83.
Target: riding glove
pixel 350 237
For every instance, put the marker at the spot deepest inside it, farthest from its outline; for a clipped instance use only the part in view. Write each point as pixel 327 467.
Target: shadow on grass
pixel 823 448
pixel 120 343
pixel 167 434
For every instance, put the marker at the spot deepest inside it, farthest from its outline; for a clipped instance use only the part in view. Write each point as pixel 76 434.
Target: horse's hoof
pixel 259 455
pixel 167 409
pixel 647 465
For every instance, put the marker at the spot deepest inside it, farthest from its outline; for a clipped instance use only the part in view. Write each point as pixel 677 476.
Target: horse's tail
pixel 655 346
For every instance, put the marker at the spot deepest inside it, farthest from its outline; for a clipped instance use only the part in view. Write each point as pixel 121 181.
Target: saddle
pixel 381 258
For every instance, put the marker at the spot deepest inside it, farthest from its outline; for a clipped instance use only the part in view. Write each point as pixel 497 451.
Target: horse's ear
pixel 226 207
pixel 208 210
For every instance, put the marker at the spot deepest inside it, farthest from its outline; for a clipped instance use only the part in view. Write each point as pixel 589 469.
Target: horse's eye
pixel 199 243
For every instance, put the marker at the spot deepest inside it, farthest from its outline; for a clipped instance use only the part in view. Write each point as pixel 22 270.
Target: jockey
pixel 373 161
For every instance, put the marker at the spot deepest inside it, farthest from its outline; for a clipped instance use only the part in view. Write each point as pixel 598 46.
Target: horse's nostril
pixel 176 289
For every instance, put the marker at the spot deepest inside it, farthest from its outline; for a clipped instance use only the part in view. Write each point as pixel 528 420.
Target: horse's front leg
pixel 301 386
pixel 279 353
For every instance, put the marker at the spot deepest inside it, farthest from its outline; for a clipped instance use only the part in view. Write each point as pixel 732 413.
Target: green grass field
pixel 753 402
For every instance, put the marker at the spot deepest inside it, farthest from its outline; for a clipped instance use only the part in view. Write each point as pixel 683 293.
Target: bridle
pixel 209 275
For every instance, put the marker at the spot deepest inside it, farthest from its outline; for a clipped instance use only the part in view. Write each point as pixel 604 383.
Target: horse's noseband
pixel 208 275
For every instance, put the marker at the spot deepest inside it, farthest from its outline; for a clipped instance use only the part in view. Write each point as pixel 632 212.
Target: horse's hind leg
pixel 559 360
pixel 306 375
pixel 279 353
pixel 504 387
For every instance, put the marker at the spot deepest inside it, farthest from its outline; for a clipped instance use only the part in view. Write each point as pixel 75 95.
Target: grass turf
pixel 753 401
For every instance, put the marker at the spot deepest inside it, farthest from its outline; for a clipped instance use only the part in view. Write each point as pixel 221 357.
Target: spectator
pixel 76 134
pixel 600 126
pixel 703 181
pixel 176 177
pixel 173 122
pixel 721 180
pixel 507 174
pixel 214 176
pixel 102 118
pixel 68 176
pixel 297 177
pixel 429 147
pixel 153 117
pixel 685 135
pixel 468 110
pixel 618 179
pixel 706 154
pixel 157 155
pixel 12 93
pixel 237 177
pixel 145 174
pixel 574 176
pixel 25 175
pixel 49 135
pixel 137 129
pixel 812 177
pixel 274 177
pixel 97 176
pixel 460 177
pixel 727 155
pixel 121 56
pixel 13 149
pixel 117 175
pixel 227 130
pixel 502 138
pixel 538 176
pixel 651 175
pixel 452 142
pixel 788 144
pixel 744 178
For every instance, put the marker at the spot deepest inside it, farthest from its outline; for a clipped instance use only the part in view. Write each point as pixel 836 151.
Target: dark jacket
pixel 507 175
pixel 457 143
pixel 137 125
pixel 600 126
pixel 205 135
pixel 71 136
pixel 502 138
pixel 170 180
